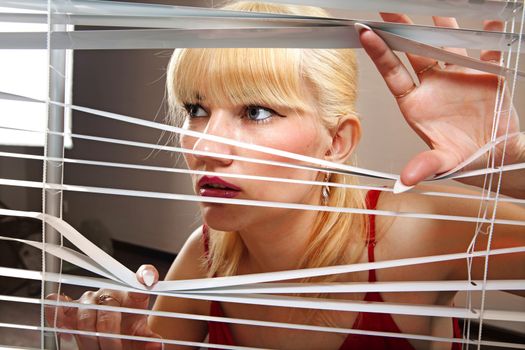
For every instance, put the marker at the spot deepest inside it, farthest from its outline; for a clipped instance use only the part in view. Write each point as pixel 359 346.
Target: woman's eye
pixel 256 113
pixel 195 110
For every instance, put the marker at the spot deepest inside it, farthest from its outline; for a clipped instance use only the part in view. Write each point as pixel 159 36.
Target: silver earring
pixel 326 190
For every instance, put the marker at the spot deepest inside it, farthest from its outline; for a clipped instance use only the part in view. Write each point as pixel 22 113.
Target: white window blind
pixel 25 46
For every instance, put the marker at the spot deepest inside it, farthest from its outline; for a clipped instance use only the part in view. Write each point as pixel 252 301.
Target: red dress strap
pixel 219 332
pixel 372 198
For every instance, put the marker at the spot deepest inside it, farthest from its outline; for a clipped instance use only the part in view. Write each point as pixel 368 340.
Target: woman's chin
pixel 221 225
pixel 219 217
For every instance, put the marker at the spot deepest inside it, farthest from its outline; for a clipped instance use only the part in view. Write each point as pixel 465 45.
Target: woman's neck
pixel 277 244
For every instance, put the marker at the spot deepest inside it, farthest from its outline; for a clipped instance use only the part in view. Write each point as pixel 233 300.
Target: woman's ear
pixel 345 138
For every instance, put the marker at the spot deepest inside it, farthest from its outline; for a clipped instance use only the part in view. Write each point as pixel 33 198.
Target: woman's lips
pixel 214 186
pixel 216 192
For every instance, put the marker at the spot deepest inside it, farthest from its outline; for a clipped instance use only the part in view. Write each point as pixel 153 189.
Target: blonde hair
pixel 253 76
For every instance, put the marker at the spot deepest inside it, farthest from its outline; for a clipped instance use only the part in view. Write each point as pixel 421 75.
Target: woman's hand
pixel 87 319
pixel 452 109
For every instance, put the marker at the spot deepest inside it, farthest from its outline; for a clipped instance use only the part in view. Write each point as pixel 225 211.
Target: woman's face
pixel 271 126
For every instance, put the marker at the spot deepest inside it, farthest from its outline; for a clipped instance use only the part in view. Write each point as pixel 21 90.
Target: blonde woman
pixel 303 101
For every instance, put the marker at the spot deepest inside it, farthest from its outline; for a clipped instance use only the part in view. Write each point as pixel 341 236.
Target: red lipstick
pixel 214 186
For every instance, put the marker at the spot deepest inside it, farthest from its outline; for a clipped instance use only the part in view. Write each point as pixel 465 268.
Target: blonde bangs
pixel 239 76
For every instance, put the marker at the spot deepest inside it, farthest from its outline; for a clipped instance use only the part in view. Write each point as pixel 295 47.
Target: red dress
pixel 220 333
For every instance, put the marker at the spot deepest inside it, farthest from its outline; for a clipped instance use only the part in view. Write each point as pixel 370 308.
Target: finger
pixel 109 322
pixel 396 18
pixel 427 164
pixel 147 275
pixel 136 300
pixel 87 321
pixel 64 316
pixel 449 22
pixel 418 63
pixel 130 322
pixel 487 55
pixel 53 311
pixel 68 342
pixel 388 64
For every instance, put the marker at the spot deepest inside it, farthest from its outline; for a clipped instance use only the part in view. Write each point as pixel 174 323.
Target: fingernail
pixel 400 187
pixel 68 342
pixel 360 27
pixel 149 277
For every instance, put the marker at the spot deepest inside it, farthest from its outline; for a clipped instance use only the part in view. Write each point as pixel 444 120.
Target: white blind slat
pixel 480 9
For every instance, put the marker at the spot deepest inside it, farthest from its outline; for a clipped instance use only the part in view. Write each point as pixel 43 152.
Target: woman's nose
pixel 210 151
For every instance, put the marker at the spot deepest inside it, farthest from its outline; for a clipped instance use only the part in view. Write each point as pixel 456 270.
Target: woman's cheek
pixel 188 143
pixel 299 139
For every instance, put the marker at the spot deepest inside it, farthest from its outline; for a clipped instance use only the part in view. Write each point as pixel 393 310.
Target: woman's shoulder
pixel 402 237
pixel 455 202
pixel 425 198
pixel 451 230
pixel 445 220
pixel 422 222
